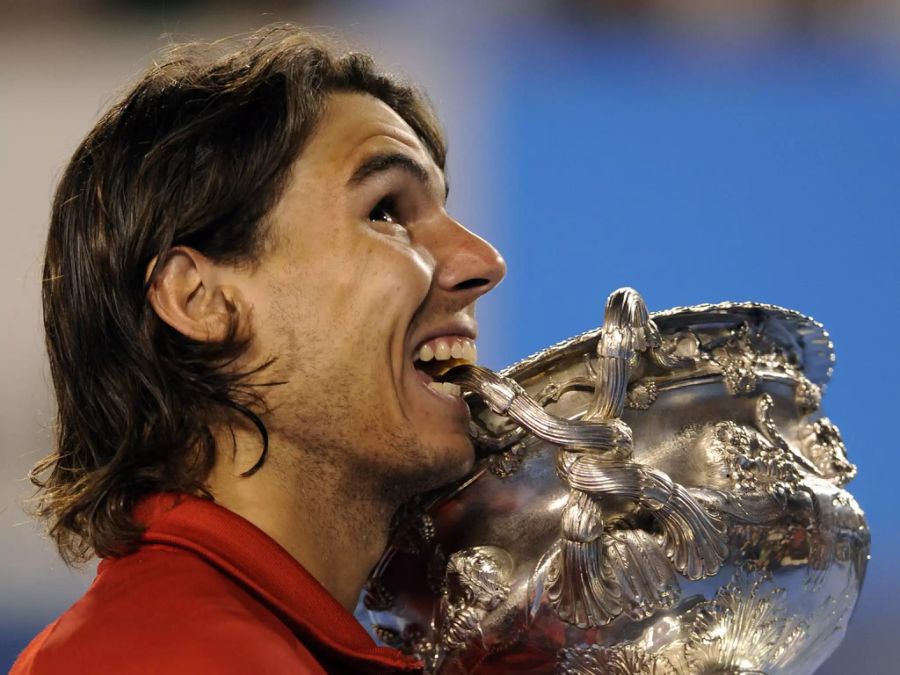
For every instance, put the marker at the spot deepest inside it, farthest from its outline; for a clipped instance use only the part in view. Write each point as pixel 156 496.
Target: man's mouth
pixel 436 356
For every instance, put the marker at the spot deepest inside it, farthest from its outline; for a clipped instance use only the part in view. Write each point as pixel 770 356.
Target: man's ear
pixel 190 293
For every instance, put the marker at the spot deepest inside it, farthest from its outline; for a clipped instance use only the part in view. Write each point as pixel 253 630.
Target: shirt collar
pixel 242 551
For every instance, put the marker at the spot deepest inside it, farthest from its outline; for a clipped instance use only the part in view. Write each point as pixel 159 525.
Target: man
pixel 250 276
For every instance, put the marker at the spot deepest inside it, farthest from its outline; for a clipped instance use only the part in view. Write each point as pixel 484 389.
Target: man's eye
pixel 384 211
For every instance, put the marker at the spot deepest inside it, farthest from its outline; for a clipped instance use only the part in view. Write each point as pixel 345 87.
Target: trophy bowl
pixel 660 495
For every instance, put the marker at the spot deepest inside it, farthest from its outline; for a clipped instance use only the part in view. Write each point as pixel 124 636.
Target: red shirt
pixel 206 592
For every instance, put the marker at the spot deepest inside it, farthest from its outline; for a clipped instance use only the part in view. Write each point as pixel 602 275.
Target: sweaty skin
pixel 354 276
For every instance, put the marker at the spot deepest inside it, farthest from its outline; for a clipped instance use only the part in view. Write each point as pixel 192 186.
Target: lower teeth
pixel 446 388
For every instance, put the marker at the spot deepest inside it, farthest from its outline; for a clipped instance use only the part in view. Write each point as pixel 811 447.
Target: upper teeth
pixel 446 348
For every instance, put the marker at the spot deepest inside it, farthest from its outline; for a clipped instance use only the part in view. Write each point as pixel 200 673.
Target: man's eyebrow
pixel 381 163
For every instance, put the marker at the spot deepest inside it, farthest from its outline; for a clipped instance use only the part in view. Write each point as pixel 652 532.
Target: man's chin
pixel 443 463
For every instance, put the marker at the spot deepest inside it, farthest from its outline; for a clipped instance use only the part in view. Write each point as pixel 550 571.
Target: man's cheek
pixel 412 261
pixel 407 280
pixel 424 262
pixel 417 281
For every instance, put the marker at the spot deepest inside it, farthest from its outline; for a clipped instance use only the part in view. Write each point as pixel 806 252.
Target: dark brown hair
pixel 196 154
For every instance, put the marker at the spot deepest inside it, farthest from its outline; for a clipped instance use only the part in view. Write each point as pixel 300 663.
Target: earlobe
pixel 187 293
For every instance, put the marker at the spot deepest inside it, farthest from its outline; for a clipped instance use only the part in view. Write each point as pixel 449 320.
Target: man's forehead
pixel 356 125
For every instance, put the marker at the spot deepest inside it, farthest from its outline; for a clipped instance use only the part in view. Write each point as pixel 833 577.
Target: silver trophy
pixel 661 495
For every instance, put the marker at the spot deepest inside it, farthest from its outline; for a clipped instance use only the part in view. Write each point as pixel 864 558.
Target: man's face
pixel 365 268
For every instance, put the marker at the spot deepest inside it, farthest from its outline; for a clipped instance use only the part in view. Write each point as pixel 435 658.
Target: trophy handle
pixel 506 397
pixel 627 329
pixel 593 461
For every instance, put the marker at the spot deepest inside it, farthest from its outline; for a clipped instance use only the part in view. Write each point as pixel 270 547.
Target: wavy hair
pixel 196 153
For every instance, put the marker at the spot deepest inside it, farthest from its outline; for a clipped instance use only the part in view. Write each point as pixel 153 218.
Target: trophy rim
pixel 814 343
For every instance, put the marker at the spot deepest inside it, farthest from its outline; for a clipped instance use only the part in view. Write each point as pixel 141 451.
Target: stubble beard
pixel 346 459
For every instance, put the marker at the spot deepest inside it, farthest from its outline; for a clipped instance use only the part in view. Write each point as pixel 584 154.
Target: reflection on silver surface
pixel 662 495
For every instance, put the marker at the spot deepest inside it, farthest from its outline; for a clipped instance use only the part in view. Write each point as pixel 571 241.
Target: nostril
pixel 471 283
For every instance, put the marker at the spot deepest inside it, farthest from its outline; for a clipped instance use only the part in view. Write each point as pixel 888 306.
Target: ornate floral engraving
pixel 744 629
pixel 418 534
pixel 413 528
pixel 807 396
pixel 641 394
pixel 627 659
pixel 505 464
pixel 376 596
pixel 822 443
pixel 737 359
pixel 766 425
pixel 684 345
pixel 752 463
pixel 412 641
pixel 477 582
pixel 388 636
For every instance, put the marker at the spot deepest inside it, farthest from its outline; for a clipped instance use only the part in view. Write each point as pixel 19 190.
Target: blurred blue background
pixel 696 151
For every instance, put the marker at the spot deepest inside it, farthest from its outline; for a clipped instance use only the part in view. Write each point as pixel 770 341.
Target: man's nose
pixel 466 265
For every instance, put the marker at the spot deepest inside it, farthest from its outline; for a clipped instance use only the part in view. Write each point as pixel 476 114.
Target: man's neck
pixel 335 529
